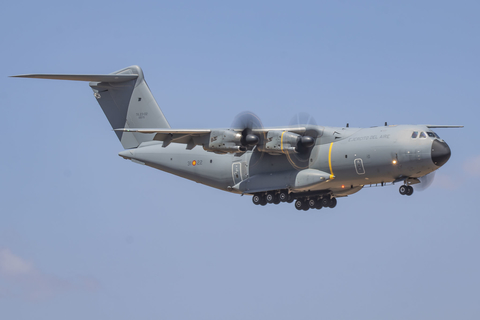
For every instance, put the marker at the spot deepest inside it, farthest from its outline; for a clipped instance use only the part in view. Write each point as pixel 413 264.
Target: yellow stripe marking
pixel 281 141
pixel 330 161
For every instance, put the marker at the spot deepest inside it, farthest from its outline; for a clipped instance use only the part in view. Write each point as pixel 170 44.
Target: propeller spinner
pixel 247 121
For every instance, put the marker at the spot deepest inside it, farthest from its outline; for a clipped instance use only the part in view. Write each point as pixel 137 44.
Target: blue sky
pixel 86 234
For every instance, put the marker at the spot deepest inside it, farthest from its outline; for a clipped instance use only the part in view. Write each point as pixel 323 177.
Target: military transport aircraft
pixel 309 164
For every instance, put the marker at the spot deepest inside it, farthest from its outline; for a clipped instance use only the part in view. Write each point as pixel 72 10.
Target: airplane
pixel 304 163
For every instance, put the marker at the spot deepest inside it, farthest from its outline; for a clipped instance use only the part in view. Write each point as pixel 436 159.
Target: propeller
pixel 302 118
pixel 305 143
pixel 425 181
pixel 247 121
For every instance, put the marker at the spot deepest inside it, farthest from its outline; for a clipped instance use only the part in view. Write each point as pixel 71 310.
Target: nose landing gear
pixel 406 190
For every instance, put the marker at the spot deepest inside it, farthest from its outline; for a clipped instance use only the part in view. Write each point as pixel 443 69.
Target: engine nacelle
pixel 279 142
pixel 224 141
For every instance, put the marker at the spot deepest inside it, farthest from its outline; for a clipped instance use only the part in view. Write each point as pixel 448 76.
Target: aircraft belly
pixel 298 181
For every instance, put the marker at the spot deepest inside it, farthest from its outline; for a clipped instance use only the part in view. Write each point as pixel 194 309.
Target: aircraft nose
pixel 440 152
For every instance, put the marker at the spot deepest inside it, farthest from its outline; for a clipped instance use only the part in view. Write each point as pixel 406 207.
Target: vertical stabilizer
pixel 129 104
pixel 125 99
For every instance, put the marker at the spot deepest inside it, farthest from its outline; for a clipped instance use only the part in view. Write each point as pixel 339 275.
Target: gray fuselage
pixel 352 157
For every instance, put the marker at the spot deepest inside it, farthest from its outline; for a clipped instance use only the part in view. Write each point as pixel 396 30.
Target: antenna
pixel 347 125
pixel 385 123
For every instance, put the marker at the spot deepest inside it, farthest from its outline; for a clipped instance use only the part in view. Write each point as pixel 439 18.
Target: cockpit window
pixel 431 134
pixel 423 135
pixel 414 134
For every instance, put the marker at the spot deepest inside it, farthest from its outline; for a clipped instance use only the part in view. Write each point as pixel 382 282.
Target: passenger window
pixel 414 134
pixel 431 134
pixel 423 135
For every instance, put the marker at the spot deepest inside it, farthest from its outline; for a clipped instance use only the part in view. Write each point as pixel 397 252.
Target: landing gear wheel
pixel 409 191
pixel 257 199
pixel 283 195
pixel 312 203
pixel 290 198
pixel 403 190
pixel 326 201
pixel 305 205
pixel 319 205
pixel 299 204
pixel 333 203
pixel 270 197
pixel 276 200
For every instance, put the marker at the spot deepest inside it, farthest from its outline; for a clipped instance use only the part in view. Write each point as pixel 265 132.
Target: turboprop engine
pixel 279 142
pixel 225 141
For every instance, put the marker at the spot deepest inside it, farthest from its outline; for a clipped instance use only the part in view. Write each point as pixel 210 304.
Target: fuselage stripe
pixel 330 161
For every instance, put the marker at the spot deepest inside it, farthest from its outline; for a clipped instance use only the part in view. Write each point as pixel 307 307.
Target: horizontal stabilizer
pixel 82 77
pixel 125 99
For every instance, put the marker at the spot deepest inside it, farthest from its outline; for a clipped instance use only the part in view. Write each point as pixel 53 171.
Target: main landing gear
pixel 315 203
pixel 406 190
pixel 301 203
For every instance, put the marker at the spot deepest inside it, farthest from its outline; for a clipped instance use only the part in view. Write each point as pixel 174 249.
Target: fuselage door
pixel 236 172
pixel 359 166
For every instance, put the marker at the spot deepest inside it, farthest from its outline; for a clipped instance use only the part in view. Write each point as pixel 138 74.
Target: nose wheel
pixel 406 190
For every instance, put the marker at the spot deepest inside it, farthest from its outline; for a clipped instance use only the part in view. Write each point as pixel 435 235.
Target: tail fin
pixel 125 99
pixel 129 104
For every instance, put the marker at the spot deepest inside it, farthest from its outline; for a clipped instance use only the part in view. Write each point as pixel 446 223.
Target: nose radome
pixel 440 153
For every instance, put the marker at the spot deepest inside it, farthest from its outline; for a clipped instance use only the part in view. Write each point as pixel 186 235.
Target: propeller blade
pixel 425 181
pixel 246 120
pixel 302 118
pixel 305 142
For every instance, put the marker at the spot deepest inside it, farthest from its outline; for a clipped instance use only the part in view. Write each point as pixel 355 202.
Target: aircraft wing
pixel 167 131
pixel 205 131
pixel 193 137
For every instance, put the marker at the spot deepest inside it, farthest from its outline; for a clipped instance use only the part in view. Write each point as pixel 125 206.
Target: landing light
pixel 394 161
pixel 343 187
